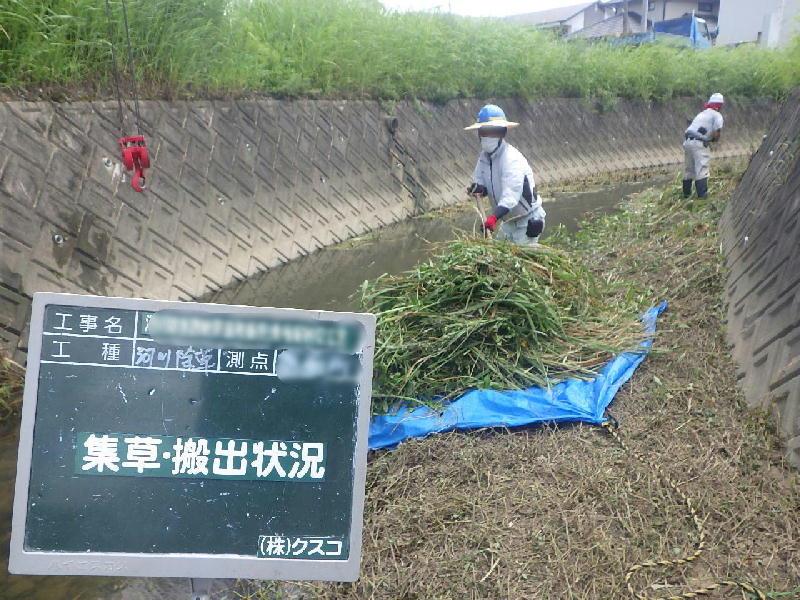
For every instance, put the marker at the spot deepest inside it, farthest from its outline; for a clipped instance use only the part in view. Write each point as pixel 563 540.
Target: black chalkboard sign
pixel 192 440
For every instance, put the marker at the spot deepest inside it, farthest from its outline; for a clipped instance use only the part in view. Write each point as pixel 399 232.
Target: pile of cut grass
pixel 487 314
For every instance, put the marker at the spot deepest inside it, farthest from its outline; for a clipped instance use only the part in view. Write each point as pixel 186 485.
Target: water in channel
pixel 326 280
pixel 330 279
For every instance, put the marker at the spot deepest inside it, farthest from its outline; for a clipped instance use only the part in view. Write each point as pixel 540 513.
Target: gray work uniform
pixel 508 179
pixel 696 153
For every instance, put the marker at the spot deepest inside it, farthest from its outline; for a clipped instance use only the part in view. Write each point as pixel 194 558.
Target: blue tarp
pixel 569 400
pixel 688 26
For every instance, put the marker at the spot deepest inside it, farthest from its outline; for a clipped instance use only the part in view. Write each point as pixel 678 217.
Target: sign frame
pixel 189 565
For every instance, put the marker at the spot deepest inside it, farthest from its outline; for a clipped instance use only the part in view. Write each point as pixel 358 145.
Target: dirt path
pixel 562 512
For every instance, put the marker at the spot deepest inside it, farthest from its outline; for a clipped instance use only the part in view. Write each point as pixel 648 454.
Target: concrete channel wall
pixel 238 187
pixel 761 239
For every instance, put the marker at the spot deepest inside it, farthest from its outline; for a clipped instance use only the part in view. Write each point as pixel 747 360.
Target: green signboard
pixel 192 440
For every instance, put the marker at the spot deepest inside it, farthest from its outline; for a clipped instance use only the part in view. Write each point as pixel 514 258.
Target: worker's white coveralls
pixel 696 153
pixel 508 179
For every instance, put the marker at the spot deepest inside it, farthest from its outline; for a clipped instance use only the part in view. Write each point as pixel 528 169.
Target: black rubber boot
pixel 702 187
pixel 687 188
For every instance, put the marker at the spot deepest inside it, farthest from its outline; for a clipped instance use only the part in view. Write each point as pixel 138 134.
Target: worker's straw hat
pixel 491 116
pixel 716 99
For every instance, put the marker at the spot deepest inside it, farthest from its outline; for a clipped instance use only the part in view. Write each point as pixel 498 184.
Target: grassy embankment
pixel 561 512
pixel 350 48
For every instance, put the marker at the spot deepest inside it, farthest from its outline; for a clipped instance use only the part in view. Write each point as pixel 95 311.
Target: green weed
pixel 487 314
pixel 356 49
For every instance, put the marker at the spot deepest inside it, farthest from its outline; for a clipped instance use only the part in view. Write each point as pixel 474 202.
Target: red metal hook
pixel 135 158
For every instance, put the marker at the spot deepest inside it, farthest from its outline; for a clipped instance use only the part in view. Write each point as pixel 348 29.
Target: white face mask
pixel 490 144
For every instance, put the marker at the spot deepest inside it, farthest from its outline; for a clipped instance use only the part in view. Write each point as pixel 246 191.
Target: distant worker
pixel 504 175
pixel 704 130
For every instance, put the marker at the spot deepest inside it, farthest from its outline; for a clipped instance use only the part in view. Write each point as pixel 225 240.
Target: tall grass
pixel 355 48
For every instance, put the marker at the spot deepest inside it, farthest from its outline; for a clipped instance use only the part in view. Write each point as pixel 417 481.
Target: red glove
pixel 490 223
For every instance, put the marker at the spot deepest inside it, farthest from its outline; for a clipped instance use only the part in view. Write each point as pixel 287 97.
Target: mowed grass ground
pixel 561 512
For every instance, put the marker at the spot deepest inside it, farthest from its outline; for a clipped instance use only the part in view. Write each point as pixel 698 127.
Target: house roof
pixel 553 15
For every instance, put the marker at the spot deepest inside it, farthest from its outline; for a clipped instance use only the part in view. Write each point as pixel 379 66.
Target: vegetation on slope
pixel 350 48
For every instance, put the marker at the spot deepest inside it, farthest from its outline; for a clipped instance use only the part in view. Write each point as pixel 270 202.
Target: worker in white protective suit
pixel 703 130
pixel 504 175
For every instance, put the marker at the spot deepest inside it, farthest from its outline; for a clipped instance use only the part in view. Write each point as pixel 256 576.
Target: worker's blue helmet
pixel 491 115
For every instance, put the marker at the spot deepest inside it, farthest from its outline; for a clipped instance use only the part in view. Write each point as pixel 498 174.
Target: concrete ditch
pixel 239 187
pixel 760 231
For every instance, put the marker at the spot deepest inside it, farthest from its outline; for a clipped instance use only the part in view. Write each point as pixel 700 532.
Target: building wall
pixel 674 8
pixel 791 21
pixel 662 10
pixel 240 187
pixel 606 28
pixel 641 7
pixel 774 22
pixel 677 9
pixel 665 9
pixel 575 23
pixel 593 14
pixel 657 14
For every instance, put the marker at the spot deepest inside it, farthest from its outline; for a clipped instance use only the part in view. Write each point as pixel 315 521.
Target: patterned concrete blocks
pixel 760 231
pixel 238 187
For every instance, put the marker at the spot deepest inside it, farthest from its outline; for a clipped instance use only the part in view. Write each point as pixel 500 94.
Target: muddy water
pixel 330 279
pixel 325 280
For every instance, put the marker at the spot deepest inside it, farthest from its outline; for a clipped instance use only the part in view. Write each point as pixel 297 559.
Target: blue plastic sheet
pixel 691 27
pixel 568 400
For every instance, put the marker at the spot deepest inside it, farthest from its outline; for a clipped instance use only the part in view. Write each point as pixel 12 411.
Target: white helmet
pixel 716 99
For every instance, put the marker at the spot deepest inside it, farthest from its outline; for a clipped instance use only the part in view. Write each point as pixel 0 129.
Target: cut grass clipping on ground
pixel 488 314
pixel 11 377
